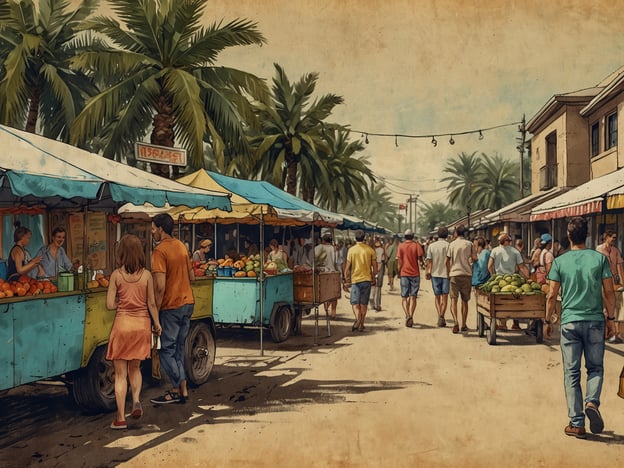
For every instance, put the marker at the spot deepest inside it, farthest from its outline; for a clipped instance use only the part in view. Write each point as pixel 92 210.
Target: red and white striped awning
pixel 585 199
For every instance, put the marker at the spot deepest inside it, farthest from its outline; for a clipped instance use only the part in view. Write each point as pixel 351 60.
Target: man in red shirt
pixel 409 258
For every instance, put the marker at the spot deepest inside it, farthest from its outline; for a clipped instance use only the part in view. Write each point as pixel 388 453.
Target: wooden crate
pixel 326 286
pixel 511 306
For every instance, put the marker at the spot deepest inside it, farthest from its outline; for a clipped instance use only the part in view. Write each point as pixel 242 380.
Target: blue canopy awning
pixel 39 170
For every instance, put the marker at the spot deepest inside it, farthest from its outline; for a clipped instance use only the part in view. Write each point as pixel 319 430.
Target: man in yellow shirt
pixel 360 273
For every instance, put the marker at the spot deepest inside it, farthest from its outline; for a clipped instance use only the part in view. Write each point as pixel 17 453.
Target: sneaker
pixel 167 398
pixel 578 432
pixel 118 425
pixel 596 424
pixel 441 322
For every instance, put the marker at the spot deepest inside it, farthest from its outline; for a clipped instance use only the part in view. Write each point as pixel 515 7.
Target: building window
pixel 595 140
pixel 611 139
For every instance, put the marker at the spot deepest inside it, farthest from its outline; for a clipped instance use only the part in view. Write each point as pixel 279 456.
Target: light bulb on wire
pixel 434 142
pixel 480 135
pixel 451 141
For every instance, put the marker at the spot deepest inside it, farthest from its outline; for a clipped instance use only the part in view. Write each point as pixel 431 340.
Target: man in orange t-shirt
pixel 409 257
pixel 173 273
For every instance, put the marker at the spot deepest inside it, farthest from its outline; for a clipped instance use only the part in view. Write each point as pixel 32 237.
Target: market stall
pixel 50 332
pixel 253 203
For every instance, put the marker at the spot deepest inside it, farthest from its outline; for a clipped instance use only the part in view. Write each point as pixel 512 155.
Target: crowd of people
pixel 159 303
pixel 584 280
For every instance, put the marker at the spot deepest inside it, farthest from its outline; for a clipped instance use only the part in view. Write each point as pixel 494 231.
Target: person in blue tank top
pixel 587 300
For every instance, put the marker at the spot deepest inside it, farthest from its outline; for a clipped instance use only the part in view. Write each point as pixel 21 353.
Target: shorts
pixel 410 285
pixel 461 286
pixel 360 293
pixel 440 285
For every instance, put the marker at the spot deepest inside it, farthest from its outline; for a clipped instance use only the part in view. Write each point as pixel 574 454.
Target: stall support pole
pixel 261 282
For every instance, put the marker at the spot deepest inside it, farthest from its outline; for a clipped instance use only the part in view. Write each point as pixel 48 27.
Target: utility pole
pixel 413 207
pixel 520 147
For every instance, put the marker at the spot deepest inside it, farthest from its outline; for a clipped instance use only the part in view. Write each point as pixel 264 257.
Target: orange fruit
pixel 8 293
pixel 20 291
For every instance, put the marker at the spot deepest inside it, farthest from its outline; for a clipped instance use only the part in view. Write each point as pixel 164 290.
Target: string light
pixel 434 142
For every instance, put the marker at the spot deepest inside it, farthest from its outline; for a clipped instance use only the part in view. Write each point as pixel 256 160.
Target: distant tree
pixel 497 183
pixel 290 129
pixel 345 177
pixel 436 214
pixel 375 207
pixel 463 174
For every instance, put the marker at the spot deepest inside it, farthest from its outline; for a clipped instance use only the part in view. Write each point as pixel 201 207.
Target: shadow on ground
pixel 40 425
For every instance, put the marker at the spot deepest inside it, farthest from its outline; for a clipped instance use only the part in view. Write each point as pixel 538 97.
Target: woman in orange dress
pixel 131 294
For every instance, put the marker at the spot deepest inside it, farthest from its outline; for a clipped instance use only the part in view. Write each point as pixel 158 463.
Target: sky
pixel 425 67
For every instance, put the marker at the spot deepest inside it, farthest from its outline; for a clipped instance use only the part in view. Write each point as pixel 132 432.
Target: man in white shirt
pixel 437 273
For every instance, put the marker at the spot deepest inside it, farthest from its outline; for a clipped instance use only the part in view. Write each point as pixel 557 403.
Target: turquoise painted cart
pixel 236 301
pixel 64 336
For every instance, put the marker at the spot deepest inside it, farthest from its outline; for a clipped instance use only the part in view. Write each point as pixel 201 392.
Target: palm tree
pixel 497 185
pixel 436 214
pixel 376 206
pixel 343 176
pixel 37 86
pixel 158 68
pixel 290 131
pixel 463 175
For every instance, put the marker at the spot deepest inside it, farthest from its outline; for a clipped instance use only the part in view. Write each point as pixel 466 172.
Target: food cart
pixel 63 334
pixel 505 306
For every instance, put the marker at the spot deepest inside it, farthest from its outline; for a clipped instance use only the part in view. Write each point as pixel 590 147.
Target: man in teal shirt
pixel 584 277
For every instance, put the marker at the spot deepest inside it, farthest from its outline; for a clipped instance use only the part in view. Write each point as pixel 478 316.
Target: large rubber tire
pixel 491 336
pixel 539 331
pixel 480 325
pixel 200 349
pixel 281 323
pixel 93 387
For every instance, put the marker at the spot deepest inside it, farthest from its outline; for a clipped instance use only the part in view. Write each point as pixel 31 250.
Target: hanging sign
pixel 159 154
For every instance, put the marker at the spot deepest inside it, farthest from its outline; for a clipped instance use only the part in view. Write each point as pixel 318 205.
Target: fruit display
pixel 25 286
pixel 511 284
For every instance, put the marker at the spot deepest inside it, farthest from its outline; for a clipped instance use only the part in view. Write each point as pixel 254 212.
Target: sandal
pixel 356 325
pixel 409 322
pixel 456 329
pixel 137 410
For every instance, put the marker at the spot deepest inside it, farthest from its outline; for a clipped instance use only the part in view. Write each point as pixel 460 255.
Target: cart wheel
pixel 480 324
pixel 281 323
pixel 539 331
pixel 491 337
pixel 93 388
pixel 199 353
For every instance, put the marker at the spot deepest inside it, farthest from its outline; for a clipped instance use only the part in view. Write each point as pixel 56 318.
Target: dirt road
pixel 390 396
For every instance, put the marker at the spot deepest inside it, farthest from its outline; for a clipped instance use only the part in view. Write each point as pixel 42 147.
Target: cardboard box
pixel 326 287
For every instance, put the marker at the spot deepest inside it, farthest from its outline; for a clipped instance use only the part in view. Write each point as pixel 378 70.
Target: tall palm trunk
pixel 162 134
pixel 291 174
pixel 33 109
pixel 308 193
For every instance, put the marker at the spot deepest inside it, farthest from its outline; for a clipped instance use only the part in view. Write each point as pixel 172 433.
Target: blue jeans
pixel 577 339
pixel 175 326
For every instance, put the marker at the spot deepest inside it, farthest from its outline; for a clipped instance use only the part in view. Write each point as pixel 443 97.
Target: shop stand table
pixel 310 291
